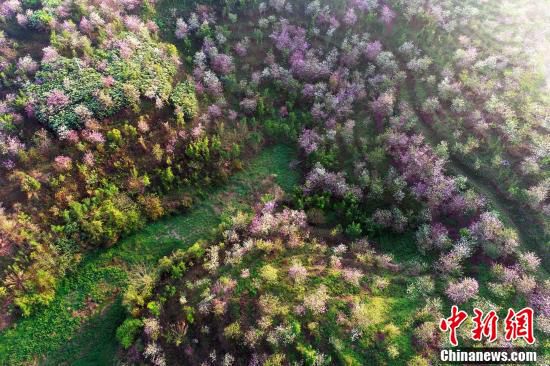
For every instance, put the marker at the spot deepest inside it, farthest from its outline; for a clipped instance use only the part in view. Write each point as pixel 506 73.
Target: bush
pixel 114 136
pixel 418 361
pixel 269 273
pixel 27 184
pixel 103 218
pixel 127 332
pixel 152 205
pixel 232 331
pixel 40 19
pixel 354 230
pixel 31 3
pixel 183 98
pixel 154 307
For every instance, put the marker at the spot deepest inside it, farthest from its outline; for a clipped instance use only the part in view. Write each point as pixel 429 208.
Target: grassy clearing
pixel 78 327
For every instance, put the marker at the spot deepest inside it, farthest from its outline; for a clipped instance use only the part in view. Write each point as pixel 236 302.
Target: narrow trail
pixel 78 327
pixel 524 220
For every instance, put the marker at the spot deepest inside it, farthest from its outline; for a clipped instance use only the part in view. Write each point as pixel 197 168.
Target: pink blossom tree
pixel 462 291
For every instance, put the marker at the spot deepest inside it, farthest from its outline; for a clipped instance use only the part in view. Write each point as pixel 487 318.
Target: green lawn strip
pixel 96 343
pixel 66 332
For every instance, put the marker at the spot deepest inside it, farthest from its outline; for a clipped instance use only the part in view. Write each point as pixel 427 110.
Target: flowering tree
pixel 309 141
pixel 222 64
pixel 286 294
pixel 67 84
pixel 387 15
pixel 63 163
pixel 462 291
pixel 373 49
pixel 383 106
pixel 335 183
pixel 181 29
pixel 491 234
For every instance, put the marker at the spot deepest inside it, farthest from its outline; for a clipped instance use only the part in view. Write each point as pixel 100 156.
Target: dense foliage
pixel 420 135
pixel 71 94
pixel 268 293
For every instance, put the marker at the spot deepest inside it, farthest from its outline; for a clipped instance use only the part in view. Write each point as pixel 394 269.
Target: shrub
pixel 140 288
pixel 28 184
pixel 152 205
pixel 418 361
pixel 269 273
pixel 183 98
pixel 154 307
pixel 354 230
pixel 103 218
pixel 421 286
pixel 40 19
pixel 126 333
pixel 114 136
pixel 232 331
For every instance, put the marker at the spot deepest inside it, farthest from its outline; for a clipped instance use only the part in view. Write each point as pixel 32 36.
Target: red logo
pixel 452 323
pixel 519 325
pixel 516 325
pixel 485 326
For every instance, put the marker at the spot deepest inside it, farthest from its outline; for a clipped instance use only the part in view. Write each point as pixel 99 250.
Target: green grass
pixel 95 344
pixel 402 246
pixel 57 335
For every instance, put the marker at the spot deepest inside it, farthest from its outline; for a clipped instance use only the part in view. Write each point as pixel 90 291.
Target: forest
pixel 271 182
